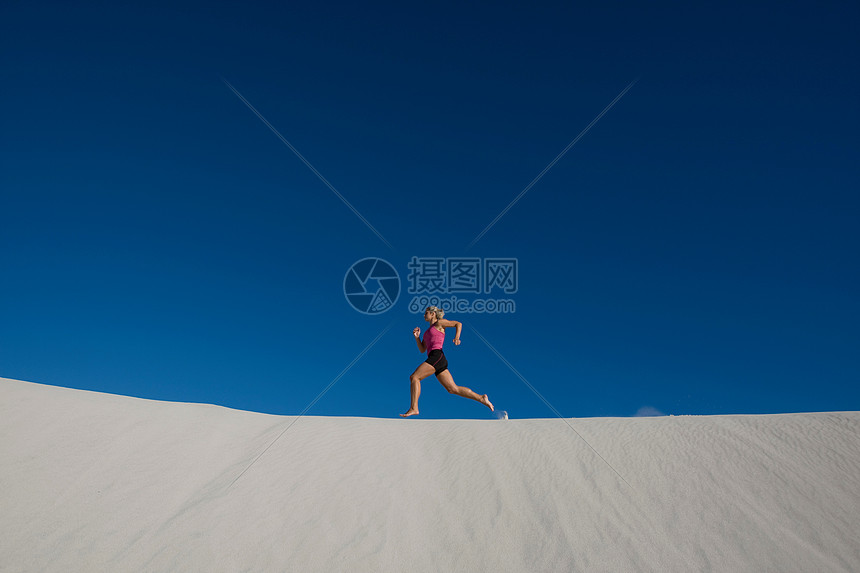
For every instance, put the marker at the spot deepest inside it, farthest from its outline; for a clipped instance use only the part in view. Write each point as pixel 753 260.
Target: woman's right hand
pixel 417 332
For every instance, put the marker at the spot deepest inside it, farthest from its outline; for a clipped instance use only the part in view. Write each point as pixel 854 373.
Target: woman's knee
pixel 449 386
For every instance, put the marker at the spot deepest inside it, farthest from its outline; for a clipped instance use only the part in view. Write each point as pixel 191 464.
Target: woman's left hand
pixel 456 342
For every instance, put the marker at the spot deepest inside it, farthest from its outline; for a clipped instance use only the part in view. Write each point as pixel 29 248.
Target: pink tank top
pixel 433 339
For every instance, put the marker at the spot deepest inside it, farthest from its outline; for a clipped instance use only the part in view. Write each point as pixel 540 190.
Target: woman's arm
pixel 449 323
pixel 417 334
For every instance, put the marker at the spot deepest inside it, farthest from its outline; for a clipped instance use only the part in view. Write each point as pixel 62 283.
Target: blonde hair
pixel 437 311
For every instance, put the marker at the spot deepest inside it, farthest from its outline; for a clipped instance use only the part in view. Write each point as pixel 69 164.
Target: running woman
pixel 434 336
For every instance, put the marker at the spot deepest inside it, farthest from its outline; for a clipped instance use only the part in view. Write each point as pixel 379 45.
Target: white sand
pixel 95 482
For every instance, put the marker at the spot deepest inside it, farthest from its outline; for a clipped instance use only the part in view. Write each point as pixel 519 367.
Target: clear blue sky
pixel 695 252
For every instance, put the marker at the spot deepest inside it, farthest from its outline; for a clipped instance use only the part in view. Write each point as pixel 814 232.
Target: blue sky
pixel 694 253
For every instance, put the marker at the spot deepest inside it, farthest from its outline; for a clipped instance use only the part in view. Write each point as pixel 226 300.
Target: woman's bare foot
pixel 486 402
pixel 412 412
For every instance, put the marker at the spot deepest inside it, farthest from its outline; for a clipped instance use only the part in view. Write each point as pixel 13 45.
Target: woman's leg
pixel 447 381
pixel 423 371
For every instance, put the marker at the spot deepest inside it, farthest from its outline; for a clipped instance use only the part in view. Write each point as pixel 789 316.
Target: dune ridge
pixel 97 482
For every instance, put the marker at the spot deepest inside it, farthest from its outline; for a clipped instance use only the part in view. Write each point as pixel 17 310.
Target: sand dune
pixel 95 482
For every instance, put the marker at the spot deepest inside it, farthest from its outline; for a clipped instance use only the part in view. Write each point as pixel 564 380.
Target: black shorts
pixel 437 360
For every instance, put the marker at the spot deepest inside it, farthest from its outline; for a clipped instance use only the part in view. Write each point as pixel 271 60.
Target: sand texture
pixel 96 482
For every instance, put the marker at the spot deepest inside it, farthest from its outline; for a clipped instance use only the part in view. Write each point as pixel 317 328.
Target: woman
pixel 434 337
